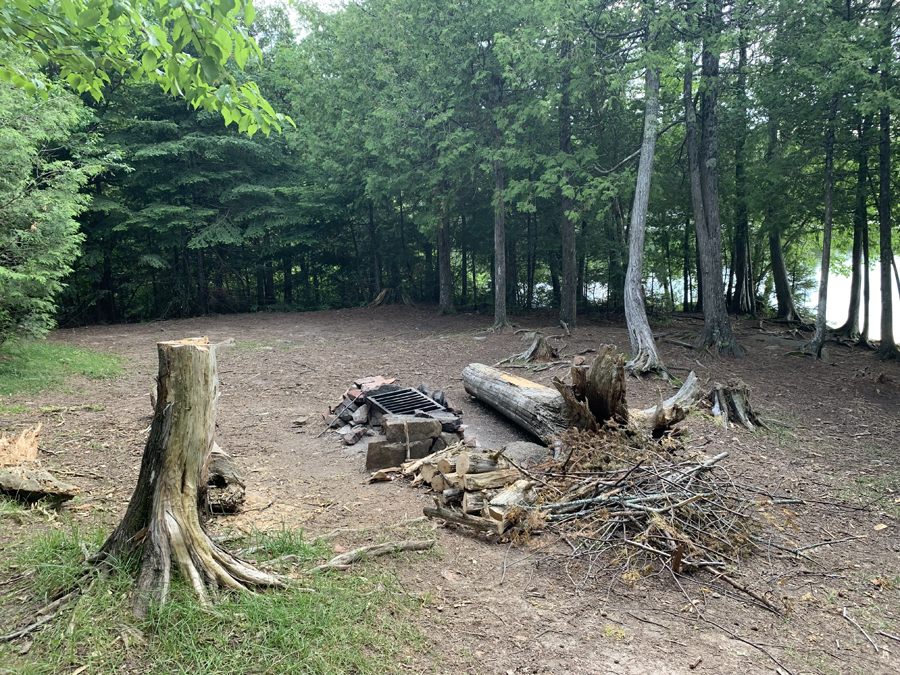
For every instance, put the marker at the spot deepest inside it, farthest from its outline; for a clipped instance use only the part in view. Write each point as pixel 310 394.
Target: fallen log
pixel 30 483
pixel 475 522
pixel 536 408
pixel 345 560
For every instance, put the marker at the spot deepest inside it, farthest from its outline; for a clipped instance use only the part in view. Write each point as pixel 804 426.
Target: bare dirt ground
pixel 488 607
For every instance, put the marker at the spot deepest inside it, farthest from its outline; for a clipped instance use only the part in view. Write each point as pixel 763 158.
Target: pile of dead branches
pixel 684 513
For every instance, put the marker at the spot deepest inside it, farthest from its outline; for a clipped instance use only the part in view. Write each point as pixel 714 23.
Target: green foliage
pixel 332 624
pixel 183 46
pixel 32 365
pixel 41 186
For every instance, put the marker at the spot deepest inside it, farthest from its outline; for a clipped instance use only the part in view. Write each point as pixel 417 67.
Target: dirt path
pixel 492 608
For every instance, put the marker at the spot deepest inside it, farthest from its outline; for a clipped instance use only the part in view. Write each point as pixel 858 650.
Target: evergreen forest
pixel 169 159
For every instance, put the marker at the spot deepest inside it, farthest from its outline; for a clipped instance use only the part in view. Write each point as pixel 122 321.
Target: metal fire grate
pixel 403 402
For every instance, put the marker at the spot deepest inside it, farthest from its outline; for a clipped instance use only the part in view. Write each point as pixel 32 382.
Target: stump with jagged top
pixel 162 522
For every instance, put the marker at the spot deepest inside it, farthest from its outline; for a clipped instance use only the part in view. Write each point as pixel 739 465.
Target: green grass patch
pixel 881 491
pixel 32 365
pixel 333 623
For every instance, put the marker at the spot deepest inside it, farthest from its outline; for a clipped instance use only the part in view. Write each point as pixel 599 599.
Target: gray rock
pixel 526 454
pixel 449 421
pixel 383 455
pixel 419 449
pixel 396 428
pixel 361 415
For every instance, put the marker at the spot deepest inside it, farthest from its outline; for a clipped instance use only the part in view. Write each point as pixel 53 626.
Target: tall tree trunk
pixel 512 272
pixel 717 333
pixel 787 310
pixel 532 256
pixel 887 348
pixel 445 295
pixel 860 223
pixel 465 265
pixel 867 291
pixel 376 257
pixel 404 252
pixel 474 282
pixel 287 271
pixel 162 521
pixel 269 270
pixel 616 282
pixel 742 299
pixel 499 279
pixel 569 300
pixel 644 357
pixel 686 269
pixel 818 340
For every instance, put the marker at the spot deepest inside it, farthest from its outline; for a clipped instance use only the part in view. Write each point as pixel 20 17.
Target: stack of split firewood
pixel 480 490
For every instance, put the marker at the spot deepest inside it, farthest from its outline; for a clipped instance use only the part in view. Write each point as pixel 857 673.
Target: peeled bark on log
pixel 492 479
pixel 520 492
pixel 162 521
pixel 734 400
pixel 538 409
pixel 605 391
pixel 670 412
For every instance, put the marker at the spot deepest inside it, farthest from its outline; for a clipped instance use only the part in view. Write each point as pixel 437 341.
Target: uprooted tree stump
pixel 162 521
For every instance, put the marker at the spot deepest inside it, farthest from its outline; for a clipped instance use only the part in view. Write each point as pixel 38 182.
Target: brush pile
pixel 621 483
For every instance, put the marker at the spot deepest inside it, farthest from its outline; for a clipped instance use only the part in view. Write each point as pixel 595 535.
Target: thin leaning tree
pixel 645 357
pixel 162 522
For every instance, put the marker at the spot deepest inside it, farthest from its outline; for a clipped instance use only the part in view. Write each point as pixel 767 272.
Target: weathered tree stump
pixel 733 402
pixel 162 521
pixel 605 387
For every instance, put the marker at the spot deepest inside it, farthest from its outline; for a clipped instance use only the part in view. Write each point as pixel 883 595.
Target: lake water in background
pixel 839 301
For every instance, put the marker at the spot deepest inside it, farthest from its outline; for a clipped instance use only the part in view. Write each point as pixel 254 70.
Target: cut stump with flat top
pixel 162 522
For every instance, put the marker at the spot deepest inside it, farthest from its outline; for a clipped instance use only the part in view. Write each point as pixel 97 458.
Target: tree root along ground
pixel 528 608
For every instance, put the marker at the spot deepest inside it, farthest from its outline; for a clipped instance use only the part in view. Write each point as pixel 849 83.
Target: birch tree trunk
pixel 162 522
pixel 644 357
pixel 818 341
